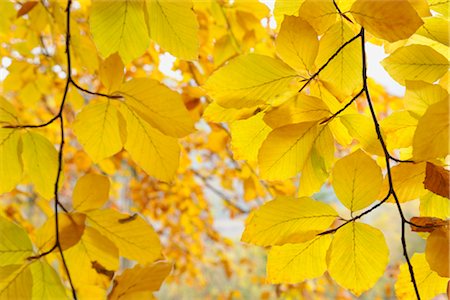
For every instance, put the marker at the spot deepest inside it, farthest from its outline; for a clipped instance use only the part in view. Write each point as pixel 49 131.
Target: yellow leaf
pixel 71 227
pixel 431 139
pixel 416 62
pixel 216 113
pixel 173 25
pixel 247 137
pixel 156 153
pixel 286 7
pixel 140 279
pixel 90 192
pixel 111 72
pixel 293 263
pixel 285 218
pixel 15 245
pixel 437 251
pixel 97 127
pixel 251 80
pixel 407 180
pixel 134 237
pixel 390 20
pixel 439 6
pixel 297 43
pixel 8 115
pixel 362 129
pixel 399 128
pixel 286 149
pixel 320 14
pixel 159 106
pixel 46 282
pixel 358 257
pixel 40 161
pixel 10 166
pixel 436 28
pixel 429 282
pixel 433 205
pixel 93 250
pixel 15 282
pixel 420 95
pixel 342 76
pixel 357 180
pixel 317 166
pixel 300 108
pixel 119 26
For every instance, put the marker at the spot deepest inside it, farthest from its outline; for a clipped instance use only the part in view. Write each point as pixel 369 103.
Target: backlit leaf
pixel 437 180
pixel 159 106
pixel 247 137
pixel 140 279
pixel 251 80
pixel 416 62
pixel 15 245
pixel 297 43
pixel 390 20
pixel 420 95
pixel 119 26
pixel 437 251
pixel 10 165
pixel 173 25
pixel 111 72
pixel 90 192
pixel 431 139
pixel 134 237
pixel 155 152
pixel 357 180
pixel 429 282
pixel 46 282
pixel 285 217
pixel 292 263
pixel 15 282
pixel 358 257
pixel 97 128
pixel 40 161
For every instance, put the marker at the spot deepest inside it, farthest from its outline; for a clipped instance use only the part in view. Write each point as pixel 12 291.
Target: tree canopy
pixel 129 129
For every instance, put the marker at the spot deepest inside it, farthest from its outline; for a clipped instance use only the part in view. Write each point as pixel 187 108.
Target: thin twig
pixel 94 93
pixel 343 108
pixel 388 166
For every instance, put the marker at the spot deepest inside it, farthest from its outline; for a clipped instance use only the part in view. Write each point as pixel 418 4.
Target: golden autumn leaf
pixel 415 62
pixel 90 192
pixel 283 218
pixel 297 43
pixel 250 80
pixel 134 237
pixel 16 282
pixel 97 128
pixel 40 161
pixel 129 37
pixel 174 26
pixel 159 106
pixel 429 282
pixel 292 263
pixel 46 282
pixel 247 137
pixel 431 138
pixel 140 279
pixel 156 153
pixel 437 251
pixel 358 257
pixel 390 20
pixel 15 245
pixel 357 180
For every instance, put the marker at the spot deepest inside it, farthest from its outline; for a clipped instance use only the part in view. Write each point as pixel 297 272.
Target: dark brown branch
pixel 388 166
pixel 94 93
pixel 343 108
pixel 358 216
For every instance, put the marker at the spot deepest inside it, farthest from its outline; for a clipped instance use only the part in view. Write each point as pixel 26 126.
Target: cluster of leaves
pixel 295 100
